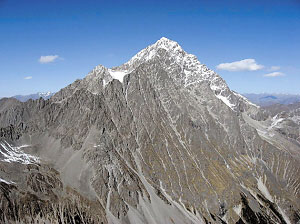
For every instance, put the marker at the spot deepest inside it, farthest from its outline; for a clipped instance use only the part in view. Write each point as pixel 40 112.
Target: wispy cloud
pixel 274 74
pixel 48 59
pixel 28 77
pixel 274 68
pixel 242 65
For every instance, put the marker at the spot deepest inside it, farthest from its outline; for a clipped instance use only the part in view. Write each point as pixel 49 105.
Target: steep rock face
pixel 160 139
pixel 32 192
pixel 188 71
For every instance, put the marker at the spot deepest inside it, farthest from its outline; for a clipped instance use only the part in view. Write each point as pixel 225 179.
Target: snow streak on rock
pixel 10 154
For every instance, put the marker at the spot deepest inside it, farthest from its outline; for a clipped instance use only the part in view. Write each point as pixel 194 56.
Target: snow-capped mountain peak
pixel 172 47
pixel 168 45
pixel 184 68
pixel 191 68
pixel 192 71
pixel 159 139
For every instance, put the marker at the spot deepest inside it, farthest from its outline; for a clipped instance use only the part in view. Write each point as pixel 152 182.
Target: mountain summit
pixel 184 69
pixel 159 139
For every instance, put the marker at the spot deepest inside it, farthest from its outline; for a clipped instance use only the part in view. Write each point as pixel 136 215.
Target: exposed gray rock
pixel 160 139
pixel 285 119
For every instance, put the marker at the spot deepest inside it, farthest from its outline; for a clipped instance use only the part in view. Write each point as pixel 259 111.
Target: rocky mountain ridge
pixel 286 120
pixel 159 139
pixel 35 96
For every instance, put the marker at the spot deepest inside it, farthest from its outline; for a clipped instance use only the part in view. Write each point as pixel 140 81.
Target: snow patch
pixel 104 83
pixel 7 182
pixel 9 154
pixel 119 75
pixel 45 94
pixel 95 146
pixel 238 209
pixel 275 121
pixel 263 189
pixel 285 217
pixel 226 101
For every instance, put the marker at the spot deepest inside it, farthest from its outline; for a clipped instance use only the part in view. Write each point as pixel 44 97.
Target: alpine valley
pixel 160 139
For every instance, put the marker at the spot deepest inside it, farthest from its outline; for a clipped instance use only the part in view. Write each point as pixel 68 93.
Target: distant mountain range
pixel 24 98
pixel 267 99
pixel 261 99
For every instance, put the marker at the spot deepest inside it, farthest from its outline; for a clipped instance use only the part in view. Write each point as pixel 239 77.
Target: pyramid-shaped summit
pixel 183 68
pixel 159 139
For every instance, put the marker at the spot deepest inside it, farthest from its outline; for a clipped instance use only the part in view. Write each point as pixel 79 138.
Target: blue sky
pixel 78 35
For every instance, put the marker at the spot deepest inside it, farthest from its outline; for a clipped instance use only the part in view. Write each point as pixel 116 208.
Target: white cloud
pixel 274 68
pixel 48 59
pixel 243 65
pixel 274 74
pixel 28 77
